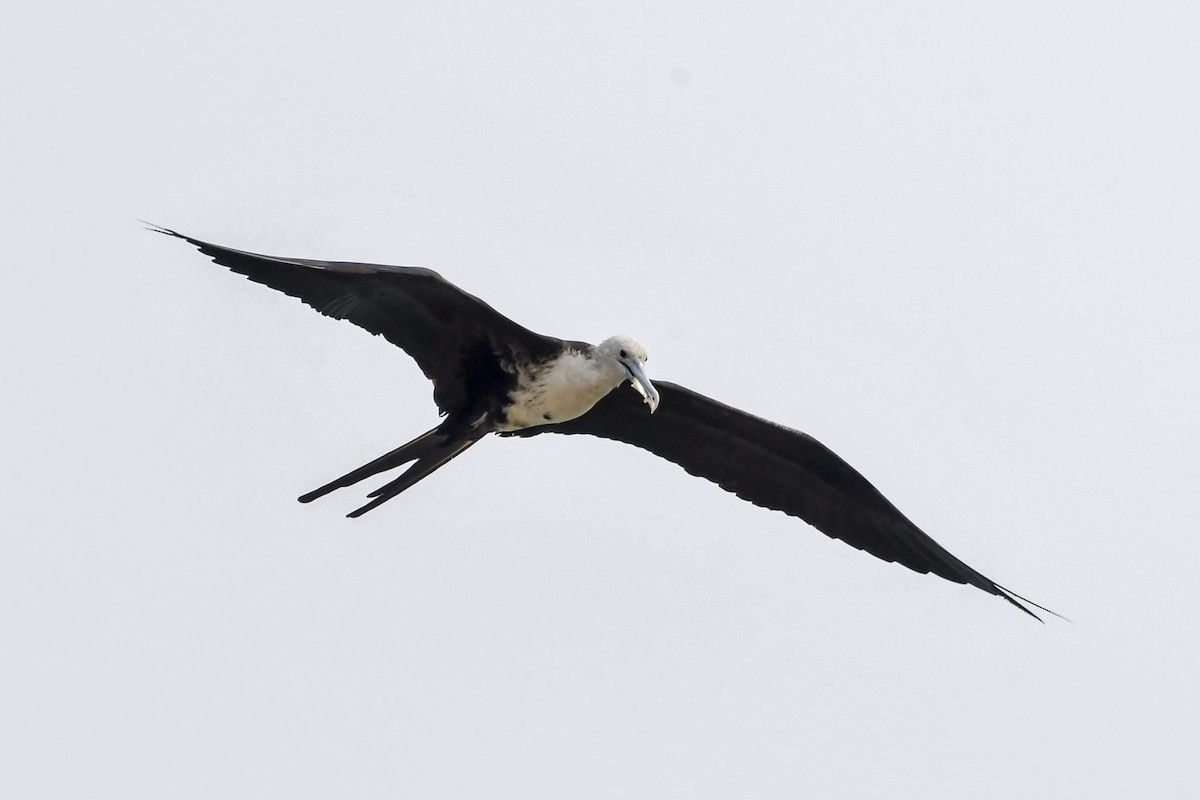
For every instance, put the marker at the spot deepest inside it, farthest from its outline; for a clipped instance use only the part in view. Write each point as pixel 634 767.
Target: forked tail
pixel 430 451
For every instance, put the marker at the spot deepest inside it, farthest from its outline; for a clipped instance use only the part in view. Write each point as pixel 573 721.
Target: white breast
pixel 566 389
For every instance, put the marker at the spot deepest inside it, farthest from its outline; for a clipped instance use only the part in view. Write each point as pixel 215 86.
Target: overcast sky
pixel 955 241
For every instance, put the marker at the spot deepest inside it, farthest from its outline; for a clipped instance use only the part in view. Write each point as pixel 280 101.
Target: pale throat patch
pixel 566 389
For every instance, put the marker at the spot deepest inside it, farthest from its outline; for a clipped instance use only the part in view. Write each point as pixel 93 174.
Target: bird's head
pixel 632 357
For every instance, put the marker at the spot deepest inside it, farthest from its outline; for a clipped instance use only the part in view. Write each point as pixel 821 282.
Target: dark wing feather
pixel 774 467
pixel 442 327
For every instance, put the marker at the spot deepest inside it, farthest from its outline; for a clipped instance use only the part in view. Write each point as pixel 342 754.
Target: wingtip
pixel 150 226
pixel 1020 602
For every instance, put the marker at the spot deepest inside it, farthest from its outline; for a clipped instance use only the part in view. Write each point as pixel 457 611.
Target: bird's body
pixel 561 389
pixel 491 375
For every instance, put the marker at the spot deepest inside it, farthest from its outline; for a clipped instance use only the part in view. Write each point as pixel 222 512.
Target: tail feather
pixel 427 445
pixel 443 454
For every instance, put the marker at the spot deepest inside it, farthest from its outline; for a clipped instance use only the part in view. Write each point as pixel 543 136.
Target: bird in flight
pixel 491 375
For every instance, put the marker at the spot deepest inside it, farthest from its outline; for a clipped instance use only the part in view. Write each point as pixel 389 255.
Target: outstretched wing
pixel 439 325
pixel 774 467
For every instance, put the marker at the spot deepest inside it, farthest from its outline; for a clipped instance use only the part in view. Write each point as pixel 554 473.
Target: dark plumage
pixel 492 375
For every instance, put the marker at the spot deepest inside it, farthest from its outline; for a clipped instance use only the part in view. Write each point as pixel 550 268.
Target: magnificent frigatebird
pixel 490 375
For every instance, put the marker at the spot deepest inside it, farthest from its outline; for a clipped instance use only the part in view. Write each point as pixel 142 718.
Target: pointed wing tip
pixel 1020 602
pixel 150 226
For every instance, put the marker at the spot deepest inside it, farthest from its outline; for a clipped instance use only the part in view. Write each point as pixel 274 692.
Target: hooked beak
pixel 639 381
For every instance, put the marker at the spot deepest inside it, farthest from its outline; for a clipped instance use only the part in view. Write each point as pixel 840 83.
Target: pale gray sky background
pixel 956 241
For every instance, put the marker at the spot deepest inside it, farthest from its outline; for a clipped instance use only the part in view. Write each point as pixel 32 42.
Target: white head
pixel 632 358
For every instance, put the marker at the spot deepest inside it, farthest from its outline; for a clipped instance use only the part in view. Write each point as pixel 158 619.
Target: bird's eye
pixel 624 354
